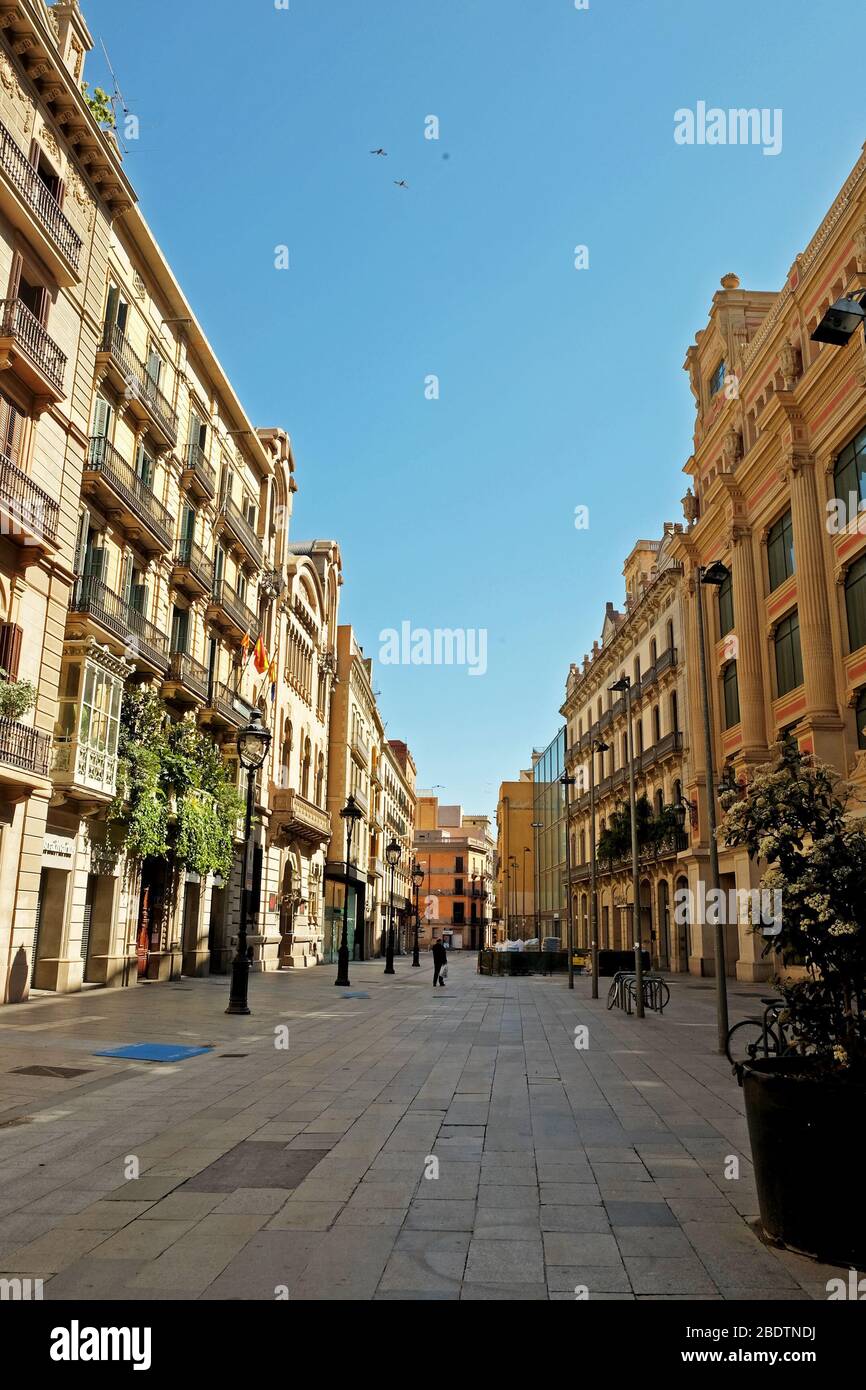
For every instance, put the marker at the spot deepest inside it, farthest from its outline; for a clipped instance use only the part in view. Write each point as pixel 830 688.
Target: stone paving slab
pixel 308 1173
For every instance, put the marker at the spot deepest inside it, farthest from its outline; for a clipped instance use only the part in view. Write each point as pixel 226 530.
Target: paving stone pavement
pixel 417 1144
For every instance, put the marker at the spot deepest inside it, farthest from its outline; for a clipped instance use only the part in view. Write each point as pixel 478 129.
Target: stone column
pixel 747 626
pixel 822 717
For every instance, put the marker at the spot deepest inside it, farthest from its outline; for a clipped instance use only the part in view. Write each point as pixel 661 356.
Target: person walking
pixel 440 962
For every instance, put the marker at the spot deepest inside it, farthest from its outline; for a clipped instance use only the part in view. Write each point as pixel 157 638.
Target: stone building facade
pixel 643 642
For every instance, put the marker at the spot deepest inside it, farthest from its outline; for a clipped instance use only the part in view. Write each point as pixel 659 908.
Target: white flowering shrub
pixel 792 817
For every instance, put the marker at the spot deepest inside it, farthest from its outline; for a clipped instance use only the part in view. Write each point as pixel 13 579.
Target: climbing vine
pixel 175 798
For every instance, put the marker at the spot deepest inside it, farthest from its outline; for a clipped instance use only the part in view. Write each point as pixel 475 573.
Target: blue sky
pixel 558 388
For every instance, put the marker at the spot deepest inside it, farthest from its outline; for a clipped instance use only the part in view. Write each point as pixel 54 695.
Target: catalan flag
pixel 260 657
pixel 272 677
pixel 245 647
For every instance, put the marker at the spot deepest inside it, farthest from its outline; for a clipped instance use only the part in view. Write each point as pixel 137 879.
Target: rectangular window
pixel 11 429
pixel 717 380
pixel 789 660
pixel 849 475
pixel 780 551
pixel 145 467
pixel 459 914
pixel 860 717
pixel 732 695
pixel 458 886
pixel 855 603
pixel 726 606
pixel 458 864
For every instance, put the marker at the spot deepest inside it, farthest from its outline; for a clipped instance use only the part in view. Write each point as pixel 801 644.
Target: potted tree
pixel 804 1109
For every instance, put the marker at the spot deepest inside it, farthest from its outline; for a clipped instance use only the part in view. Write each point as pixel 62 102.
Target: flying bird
pixel 382 152
pixel 401 183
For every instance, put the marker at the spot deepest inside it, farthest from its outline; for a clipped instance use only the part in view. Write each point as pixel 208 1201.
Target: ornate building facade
pixel 644 643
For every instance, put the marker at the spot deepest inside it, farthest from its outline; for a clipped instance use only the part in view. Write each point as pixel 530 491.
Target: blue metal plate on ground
pixel 154 1052
pixel 354 995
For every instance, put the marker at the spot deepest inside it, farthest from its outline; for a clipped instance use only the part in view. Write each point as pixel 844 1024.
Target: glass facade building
pixel 549 810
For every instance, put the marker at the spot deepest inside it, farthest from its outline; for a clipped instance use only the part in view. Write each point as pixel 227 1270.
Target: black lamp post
pixel 597 745
pixel 567 783
pixel 351 814
pixel 253 743
pixel 714 574
pixel 536 876
pixel 417 880
pixel 623 686
pixel 392 855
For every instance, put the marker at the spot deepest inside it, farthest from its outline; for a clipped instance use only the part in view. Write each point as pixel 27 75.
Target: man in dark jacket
pixel 440 959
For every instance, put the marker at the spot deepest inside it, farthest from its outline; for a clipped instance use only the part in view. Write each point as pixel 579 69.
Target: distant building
pixel 456 852
pixel 515 859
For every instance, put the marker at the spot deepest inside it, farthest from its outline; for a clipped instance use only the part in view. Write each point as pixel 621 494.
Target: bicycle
pixel 615 994
pixel 759 1037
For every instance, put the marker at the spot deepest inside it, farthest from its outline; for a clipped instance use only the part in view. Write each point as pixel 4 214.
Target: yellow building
pixel 515 860
pixel 456 853
pixel 61 186
pixel 146 542
pixel 778 478
pixel 642 642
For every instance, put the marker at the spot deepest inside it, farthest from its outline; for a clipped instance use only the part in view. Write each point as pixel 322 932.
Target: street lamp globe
pixel 393 853
pixel 253 742
pixel 417 876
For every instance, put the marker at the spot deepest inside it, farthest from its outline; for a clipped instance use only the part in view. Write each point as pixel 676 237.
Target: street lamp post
pixel 624 685
pixel 526 851
pixel 512 861
pixel 350 815
pixel 417 880
pixel 536 877
pixel 392 855
pixel 253 743
pixel 597 745
pixel 714 574
pixel 568 782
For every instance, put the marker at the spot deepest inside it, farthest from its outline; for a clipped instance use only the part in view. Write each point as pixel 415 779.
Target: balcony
pixel 293 817
pixel 33 210
pixel 198 475
pixel 142 394
pixel 187 681
pixel 24 750
pixel 225 706
pixel 115 483
pixel 667 660
pixel 27 514
pixel 227 610
pixel 28 351
pixel 193 570
pixel 240 529
pixel 143 643
pixel 671 743
pixel 361 748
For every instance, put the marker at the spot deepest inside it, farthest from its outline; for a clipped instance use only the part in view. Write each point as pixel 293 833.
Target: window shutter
pixel 11 425
pixel 15 275
pixel 34 154
pixel 95 562
pixel 81 541
pixel 11 636
pixel 102 418
pixel 60 192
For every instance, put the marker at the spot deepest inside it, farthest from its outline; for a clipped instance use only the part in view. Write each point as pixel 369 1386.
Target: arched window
pixel 659 801
pixel 675 713
pixel 657 724
pixel 625 750
pixel 320 781
pixel 636 677
pixel 305 771
pixel 678 792
pixel 653 652
pixel 286 756
pixel 639 730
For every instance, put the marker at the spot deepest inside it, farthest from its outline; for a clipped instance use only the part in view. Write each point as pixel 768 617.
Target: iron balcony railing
pixel 135 371
pixel 190 556
pixel 197 463
pixel 241 529
pixel 39 199
pixel 24 748
pixel 237 610
pixel 20 323
pixel 91 595
pixel 104 459
pixel 222 698
pixel 25 503
pixel 668 658
pixel 190 673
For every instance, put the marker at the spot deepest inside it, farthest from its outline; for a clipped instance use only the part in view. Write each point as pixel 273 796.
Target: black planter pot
pixel 805 1134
